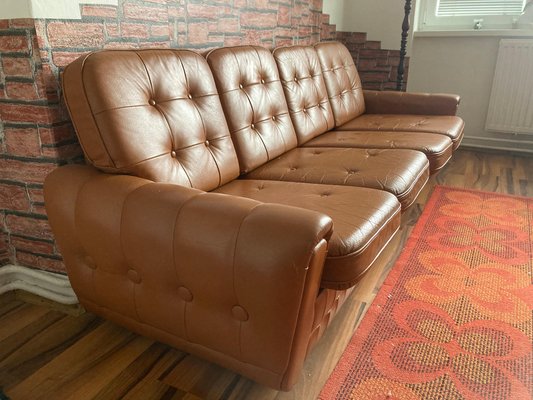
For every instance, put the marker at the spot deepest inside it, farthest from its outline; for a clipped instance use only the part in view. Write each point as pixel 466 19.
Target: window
pixel 470 14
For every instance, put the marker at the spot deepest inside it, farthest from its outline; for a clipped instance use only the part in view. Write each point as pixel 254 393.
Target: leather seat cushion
pixel 364 220
pixel 448 125
pixel 400 172
pixel 436 147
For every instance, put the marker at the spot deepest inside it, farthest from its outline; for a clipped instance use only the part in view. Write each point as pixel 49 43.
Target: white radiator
pixel 511 99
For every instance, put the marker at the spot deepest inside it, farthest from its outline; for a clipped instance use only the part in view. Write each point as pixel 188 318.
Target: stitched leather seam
pixel 233 272
pixel 178 281
pixel 92 113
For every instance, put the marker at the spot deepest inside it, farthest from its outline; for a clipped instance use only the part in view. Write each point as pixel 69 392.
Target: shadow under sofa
pixel 209 218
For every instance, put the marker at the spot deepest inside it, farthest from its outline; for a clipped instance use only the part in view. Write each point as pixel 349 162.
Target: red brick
pixel 64 58
pixel 56 134
pixel 121 45
pixel 259 20
pixel 34 246
pixel 374 76
pixel 35 261
pixel 112 30
pixel 203 11
pixel 24 171
pixel 65 152
pixel 21 91
pixel 138 31
pixel 197 32
pixel 75 34
pixel 229 25
pixel 28 225
pixel 283 41
pixel 38 209
pixel 232 40
pixel 14 44
pixel 15 66
pixel 159 30
pixel 4 23
pixel 155 45
pixel 29 113
pixel 36 195
pixel 99 11
pixel 14 197
pixel 21 23
pixel 145 13
pixel 22 142
pixel 373 44
pixel 284 15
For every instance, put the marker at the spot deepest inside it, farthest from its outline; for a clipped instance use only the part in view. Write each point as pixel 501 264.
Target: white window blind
pixel 451 8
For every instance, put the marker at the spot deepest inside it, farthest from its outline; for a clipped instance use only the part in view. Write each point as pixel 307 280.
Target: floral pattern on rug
pixel 454 319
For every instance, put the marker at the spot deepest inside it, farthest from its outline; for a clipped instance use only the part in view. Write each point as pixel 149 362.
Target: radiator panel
pixel 511 100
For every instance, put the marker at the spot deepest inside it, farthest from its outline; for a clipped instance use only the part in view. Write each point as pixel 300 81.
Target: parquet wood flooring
pixel 47 354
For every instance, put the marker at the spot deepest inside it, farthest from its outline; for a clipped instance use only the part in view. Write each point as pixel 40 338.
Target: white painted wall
pixel 335 9
pixel 463 65
pixel 380 19
pixel 60 9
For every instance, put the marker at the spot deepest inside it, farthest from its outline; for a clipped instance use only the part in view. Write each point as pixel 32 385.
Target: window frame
pixel 429 21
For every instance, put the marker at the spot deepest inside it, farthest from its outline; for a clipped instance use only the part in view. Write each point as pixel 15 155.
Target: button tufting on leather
pixel 241 86
pixel 90 262
pixel 262 81
pixel 151 102
pixel 173 154
pixel 295 79
pixel 185 294
pixel 207 143
pixel 239 313
pixel 273 118
pixel 134 276
pixel 252 126
pixel 189 96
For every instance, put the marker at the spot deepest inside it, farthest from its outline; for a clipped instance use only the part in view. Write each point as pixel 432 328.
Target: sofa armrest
pixel 227 278
pixel 390 102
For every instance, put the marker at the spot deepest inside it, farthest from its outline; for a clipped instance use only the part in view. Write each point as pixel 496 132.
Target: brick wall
pixel 35 132
pixel 377 67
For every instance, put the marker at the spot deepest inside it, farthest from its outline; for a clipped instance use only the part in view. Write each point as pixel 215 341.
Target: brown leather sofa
pixel 228 212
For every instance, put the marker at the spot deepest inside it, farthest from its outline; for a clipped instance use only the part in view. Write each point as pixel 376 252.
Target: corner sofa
pixel 231 203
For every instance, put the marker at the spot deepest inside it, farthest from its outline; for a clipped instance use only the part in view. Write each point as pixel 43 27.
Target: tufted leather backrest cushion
pixel 342 81
pixel 305 91
pixel 155 114
pixel 252 97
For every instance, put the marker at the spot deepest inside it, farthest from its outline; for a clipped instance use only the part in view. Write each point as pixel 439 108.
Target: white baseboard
pixel 52 286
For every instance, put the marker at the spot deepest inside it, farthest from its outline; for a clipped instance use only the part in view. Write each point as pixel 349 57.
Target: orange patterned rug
pixel 454 318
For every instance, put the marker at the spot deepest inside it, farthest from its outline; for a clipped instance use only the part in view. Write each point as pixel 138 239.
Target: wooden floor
pixel 47 354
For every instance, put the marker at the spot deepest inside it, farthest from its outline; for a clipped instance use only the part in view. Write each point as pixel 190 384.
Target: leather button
pixel 305 110
pixel 134 276
pixel 252 126
pixel 262 81
pixel 241 86
pixel 239 313
pixel 173 154
pixel 207 143
pixel 151 102
pixel 185 294
pixel 295 79
pixel 273 118
pixel 89 261
pixel 189 96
